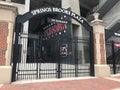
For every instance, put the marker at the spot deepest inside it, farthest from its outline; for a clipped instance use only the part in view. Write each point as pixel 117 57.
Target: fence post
pixel 101 67
pixel 7 21
pixel 113 58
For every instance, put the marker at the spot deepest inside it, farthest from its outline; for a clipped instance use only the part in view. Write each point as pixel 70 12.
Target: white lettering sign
pixel 41 10
pixel 117 34
pixel 57 10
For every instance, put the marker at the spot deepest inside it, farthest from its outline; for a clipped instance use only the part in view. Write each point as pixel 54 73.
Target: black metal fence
pixel 41 59
pixel 113 57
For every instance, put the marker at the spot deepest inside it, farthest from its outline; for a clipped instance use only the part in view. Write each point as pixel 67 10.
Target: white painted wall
pixel 76 27
pixel 25 31
pixel 74 5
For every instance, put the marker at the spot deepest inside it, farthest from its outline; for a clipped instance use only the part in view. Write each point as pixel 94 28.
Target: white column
pixel 25 31
pixel 74 5
pixel 26 24
pixel 77 28
pixel 101 67
pixel 8 14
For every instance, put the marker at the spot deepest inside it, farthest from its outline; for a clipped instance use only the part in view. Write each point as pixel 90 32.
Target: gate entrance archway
pixel 62 59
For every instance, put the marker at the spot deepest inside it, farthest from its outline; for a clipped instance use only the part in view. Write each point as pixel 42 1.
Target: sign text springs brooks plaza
pixel 54 10
pixel 57 10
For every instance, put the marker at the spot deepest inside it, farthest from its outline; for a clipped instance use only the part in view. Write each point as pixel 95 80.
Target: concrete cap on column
pixel 96 16
pixel 97 20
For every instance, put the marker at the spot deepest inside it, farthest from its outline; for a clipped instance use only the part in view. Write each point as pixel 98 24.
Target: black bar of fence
pixel 15 50
pixel 59 61
pixel 76 58
pixel 113 58
pixel 62 67
pixel 91 53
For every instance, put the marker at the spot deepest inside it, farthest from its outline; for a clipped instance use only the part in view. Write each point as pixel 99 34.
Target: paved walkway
pixel 108 83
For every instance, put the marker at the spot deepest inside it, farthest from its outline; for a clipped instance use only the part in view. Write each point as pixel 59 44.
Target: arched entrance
pixel 63 51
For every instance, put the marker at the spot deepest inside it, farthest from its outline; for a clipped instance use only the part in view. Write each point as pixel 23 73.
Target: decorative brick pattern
pixel 95 50
pixel 102 49
pixel 3 41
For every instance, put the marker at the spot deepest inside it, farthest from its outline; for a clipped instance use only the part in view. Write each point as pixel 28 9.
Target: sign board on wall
pixel 53 29
pixel 117 45
pixel 64 50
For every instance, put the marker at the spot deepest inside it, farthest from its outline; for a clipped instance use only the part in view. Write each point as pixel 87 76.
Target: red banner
pixel 117 45
pixel 55 29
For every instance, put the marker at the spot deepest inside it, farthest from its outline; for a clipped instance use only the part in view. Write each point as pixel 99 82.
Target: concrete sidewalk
pixel 86 83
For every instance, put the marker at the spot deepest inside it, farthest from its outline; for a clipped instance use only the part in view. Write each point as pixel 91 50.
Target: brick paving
pixel 80 84
pixel 117 77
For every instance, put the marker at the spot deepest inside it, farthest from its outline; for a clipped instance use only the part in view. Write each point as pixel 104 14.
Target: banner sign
pixel 117 34
pixel 58 27
pixel 117 45
pixel 64 50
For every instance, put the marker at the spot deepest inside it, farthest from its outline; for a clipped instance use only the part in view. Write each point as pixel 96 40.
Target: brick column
pixel 3 39
pixel 7 21
pixel 101 68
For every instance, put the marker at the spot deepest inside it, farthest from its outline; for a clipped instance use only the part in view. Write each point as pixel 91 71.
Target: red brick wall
pixel 3 41
pixel 102 49
pixel 95 50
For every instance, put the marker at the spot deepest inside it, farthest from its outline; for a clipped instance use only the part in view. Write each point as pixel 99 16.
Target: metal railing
pixel 51 64
pixel 113 57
